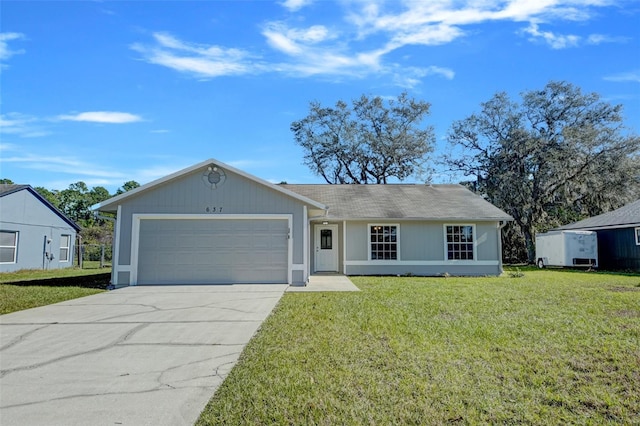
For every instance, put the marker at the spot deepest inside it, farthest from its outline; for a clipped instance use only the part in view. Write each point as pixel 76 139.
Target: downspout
pixel 45 253
pixel 501 224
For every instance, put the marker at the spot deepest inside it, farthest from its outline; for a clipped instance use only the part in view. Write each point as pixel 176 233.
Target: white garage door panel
pixel 210 251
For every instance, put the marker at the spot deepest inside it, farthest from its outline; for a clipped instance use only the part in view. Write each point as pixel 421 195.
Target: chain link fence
pixel 94 256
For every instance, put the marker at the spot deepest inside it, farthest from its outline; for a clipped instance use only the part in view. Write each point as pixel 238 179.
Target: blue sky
pixel 110 91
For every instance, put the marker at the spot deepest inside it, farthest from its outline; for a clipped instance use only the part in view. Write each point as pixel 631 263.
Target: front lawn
pixel 17 297
pixel 30 288
pixel 42 274
pixel 552 347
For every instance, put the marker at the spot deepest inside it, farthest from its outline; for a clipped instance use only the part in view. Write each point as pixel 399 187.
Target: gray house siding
pixel 422 250
pixel 176 202
pixel 39 229
pixel 188 194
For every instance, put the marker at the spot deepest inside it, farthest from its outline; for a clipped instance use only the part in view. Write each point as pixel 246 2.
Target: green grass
pixel 16 298
pixel 40 274
pixel 552 347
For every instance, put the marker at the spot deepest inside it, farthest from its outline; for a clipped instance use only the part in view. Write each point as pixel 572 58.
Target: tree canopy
pixel 369 142
pixel 76 201
pixel 557 156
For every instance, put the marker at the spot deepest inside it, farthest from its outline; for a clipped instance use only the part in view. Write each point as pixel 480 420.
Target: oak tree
pixel 370 141
pixel 557 156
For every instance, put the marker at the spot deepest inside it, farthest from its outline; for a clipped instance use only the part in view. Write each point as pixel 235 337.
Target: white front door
pixel 326 248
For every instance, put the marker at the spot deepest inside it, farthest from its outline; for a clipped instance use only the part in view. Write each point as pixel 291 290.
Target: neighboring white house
pixel 33 233
pixel 212 223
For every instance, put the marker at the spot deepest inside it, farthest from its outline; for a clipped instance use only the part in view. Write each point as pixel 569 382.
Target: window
pixel 326 242
pixel 459 242
pixel 65 241
pixel 8 246
pixel 383 242
pixel 638 236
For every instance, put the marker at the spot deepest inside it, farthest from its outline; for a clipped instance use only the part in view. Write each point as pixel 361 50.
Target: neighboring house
pixel 212 223
pixel 618 236
pixel 33 233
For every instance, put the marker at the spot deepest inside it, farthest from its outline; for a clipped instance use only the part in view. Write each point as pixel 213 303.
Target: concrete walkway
pixel 326 282
pixel 134 356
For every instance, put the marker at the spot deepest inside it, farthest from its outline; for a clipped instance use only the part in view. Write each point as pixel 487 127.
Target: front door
pixel 326 248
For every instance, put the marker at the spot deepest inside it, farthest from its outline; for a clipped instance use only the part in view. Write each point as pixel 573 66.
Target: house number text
pixel 213 209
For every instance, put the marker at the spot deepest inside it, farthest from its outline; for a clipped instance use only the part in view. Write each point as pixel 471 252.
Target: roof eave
pixel 600 227
pixel 113 202
pixel 426 219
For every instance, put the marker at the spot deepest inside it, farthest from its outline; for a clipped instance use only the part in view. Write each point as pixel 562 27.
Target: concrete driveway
pixel 134 356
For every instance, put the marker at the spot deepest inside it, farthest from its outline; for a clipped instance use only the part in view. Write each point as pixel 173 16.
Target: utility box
pixel 567 248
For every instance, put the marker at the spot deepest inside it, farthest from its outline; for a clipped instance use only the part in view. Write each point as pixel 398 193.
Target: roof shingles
pixel 401 201
pixel 626 216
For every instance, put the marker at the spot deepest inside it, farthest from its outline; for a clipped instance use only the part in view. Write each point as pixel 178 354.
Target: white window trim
pixel 68 247
pixel 382 261
pixel 14 247
pixel 446 244
pixel 637 230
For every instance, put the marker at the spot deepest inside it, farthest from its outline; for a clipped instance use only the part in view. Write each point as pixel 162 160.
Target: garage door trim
pixel 137 217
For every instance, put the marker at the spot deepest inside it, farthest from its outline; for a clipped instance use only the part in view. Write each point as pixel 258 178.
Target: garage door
pixel 212 251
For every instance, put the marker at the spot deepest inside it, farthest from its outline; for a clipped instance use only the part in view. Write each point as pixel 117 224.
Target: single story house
pixel 618 237
pixel 33 233
pixel 212 223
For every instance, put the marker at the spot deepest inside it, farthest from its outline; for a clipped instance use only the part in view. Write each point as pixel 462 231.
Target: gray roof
pixel 6 188
pixel 624 217
pixel 401 201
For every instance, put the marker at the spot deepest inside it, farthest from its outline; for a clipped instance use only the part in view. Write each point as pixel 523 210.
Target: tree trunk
pixel 530 243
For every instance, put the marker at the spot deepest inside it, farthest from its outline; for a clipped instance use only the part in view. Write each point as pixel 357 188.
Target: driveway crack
pixel 21 337
pixel 120 339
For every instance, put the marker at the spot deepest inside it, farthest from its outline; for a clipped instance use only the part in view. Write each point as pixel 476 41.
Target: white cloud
pixel 22 125
pixel 602 38
pixel 632 76
pixel 5 52
pixel 283 43
pixel 438 22
pixel 292 41
pixel 205 61
pixel 313 34
pixel 409 77
pixel 8 147
pixel 559 41
pixel 295 5
pixel 556 41
pixel 68 165
pixel 112 117
pixel 358 45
